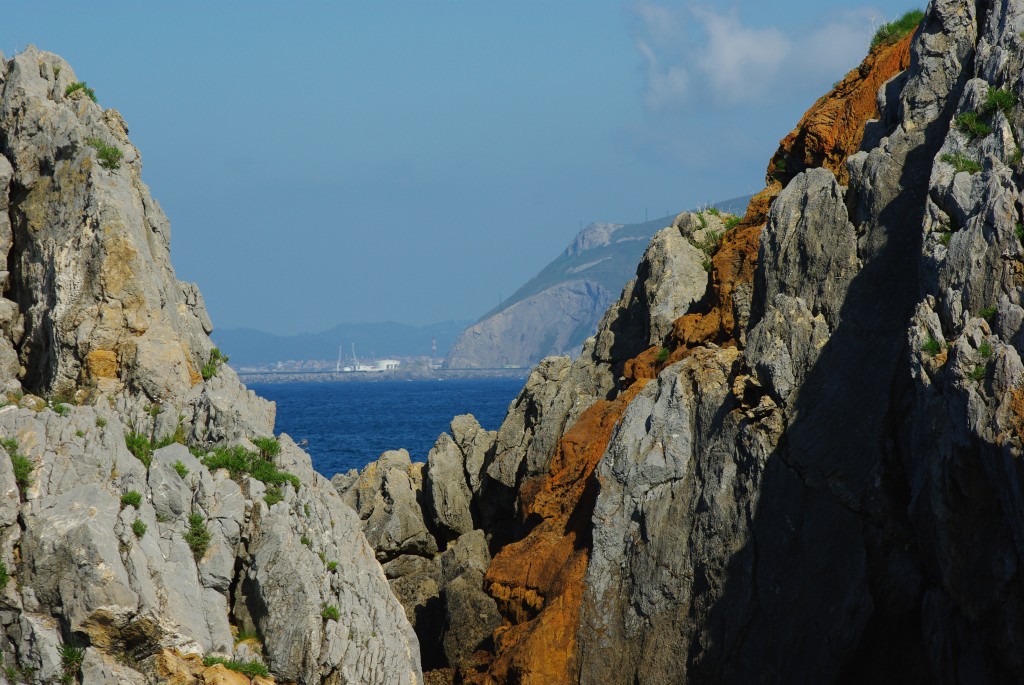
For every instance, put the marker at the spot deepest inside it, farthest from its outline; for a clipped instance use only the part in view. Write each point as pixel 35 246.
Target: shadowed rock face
pixel 818 479
pixel 148 565
pixel 810 515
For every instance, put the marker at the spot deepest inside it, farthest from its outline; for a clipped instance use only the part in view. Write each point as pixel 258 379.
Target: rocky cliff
pixel 809 471
pixel 150 525
pixel 556 310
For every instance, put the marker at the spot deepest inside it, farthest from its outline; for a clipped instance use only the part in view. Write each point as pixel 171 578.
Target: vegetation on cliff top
pixel 891 32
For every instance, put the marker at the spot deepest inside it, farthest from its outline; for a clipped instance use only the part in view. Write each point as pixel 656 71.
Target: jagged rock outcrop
pixel 148 557
pixel 504 483
pixel 817 479
pixel 808 512
pixel 422 520
pixel 557 310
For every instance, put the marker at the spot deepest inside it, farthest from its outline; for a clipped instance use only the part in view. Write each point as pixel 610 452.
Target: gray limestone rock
pixel 679 481
pixel 475 443
pixel 449 494
pixel 809 247
pixel 673 278
pixel 865 528
pixel 467 553
pixel 470 617
pixel 387 496
pixel 99 543
pixel 784 345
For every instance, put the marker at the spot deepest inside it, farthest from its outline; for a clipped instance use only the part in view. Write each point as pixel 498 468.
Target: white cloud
pixel 698 54
pixel 838 46
pixel 657 31
pixel 739 63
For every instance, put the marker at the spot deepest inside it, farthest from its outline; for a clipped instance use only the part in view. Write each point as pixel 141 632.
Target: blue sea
pixel 347 425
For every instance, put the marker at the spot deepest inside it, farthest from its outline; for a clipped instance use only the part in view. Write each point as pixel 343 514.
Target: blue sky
pixel 338 161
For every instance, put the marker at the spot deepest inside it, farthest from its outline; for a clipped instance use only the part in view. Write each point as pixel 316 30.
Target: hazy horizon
pixel 326 163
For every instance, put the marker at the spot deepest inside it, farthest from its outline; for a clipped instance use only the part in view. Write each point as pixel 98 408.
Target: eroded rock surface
pixel 148 559
pixel 812 474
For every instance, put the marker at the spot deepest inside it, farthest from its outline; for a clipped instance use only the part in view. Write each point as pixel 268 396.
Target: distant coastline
pixel 409 374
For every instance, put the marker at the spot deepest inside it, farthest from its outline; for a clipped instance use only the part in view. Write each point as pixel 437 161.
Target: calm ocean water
pixel 349 424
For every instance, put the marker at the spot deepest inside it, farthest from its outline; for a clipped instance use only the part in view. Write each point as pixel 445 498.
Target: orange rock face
pixel 829 132
pixel 101 364
pixel 832 129
pixel 538 581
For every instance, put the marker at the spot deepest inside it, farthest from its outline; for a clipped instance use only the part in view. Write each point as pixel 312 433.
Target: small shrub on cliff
pixel 978 373
pixel 961 162
pixel 139 445
pixel 999 100
pixel 132 498
pixel 211 367
pixel 250 669
pixel 239 462
pixel 21 465
pixel 329 611
pixel 268 447
pixel 988 313
pixel 247 636
pixel 198 536
pixel 332 566
pixel 891 32
pixel 985 350
pixel 273 496
pixel 709 244
pixel 80 85
pixel 71 658
pixel 732 222
pixel 139 528
pixel 972 126
pixel 180 469
pixel 662 355
pixel 931 346
pixel 109 155
pixel 4 576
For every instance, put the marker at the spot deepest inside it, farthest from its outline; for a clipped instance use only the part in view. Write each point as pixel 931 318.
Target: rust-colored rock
pixel 829 132
pixel 733 266
pixel 220 675
pixel 538 581
pixel 101 364
pixel 832 129
pixel 175 668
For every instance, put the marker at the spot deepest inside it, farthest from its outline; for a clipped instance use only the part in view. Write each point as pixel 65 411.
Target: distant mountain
pixel 249 347
pixel 556 310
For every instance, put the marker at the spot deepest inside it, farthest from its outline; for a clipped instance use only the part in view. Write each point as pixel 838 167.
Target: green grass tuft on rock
pixel 198 536
pixel 250 669
pixel 893 31
pixel 961 162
